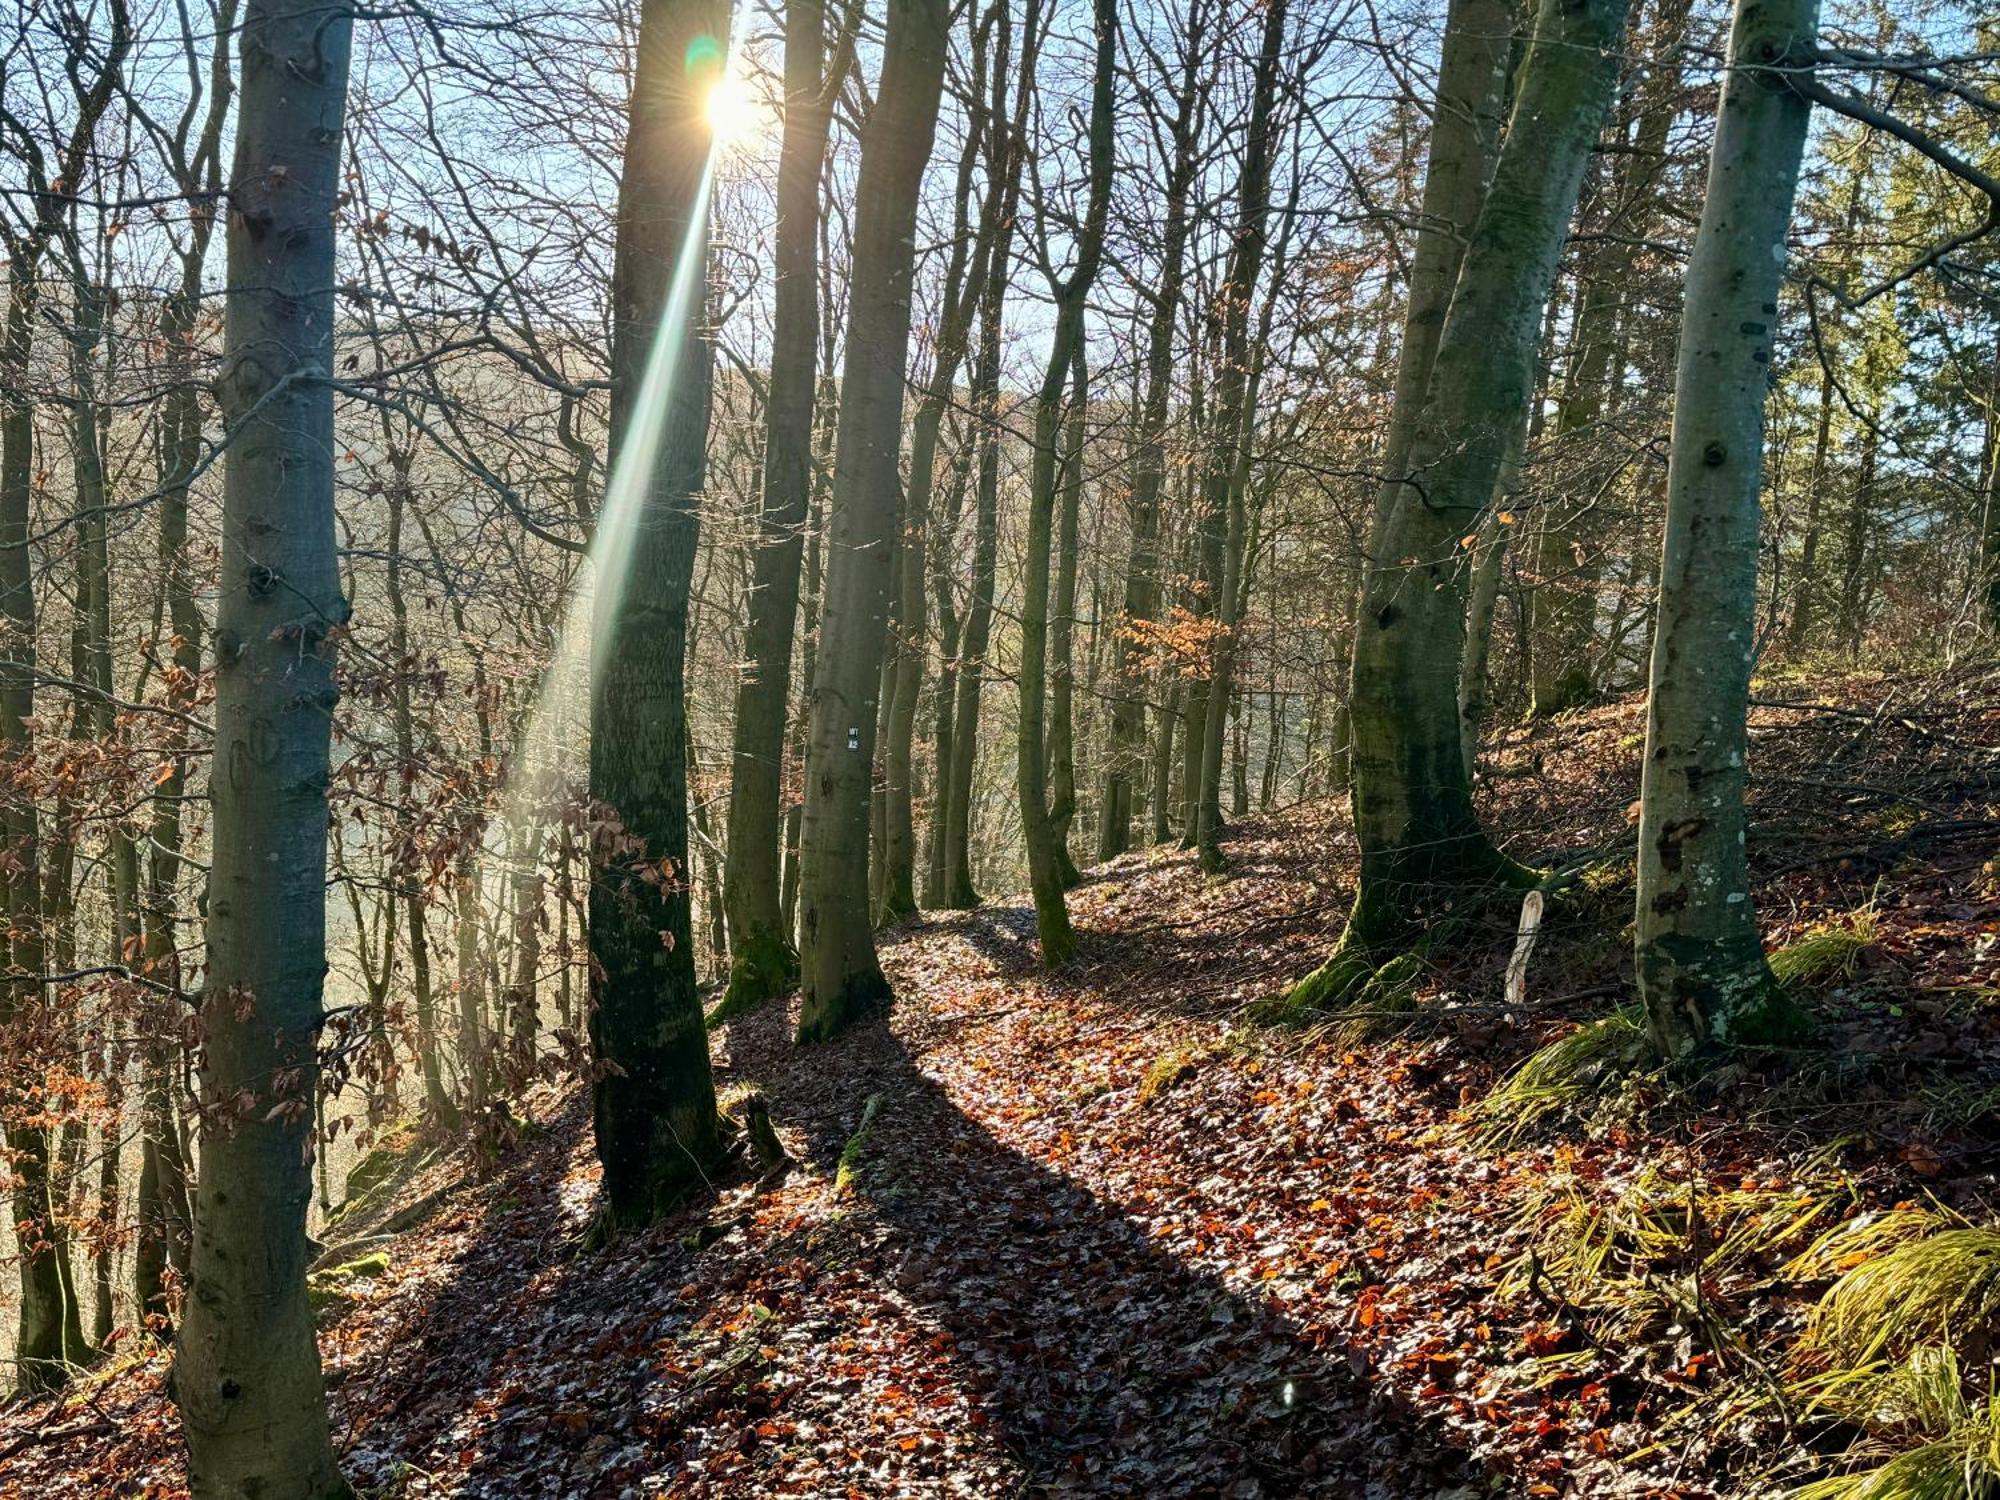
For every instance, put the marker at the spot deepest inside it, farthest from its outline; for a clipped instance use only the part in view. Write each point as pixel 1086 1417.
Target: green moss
pixel 1320 990
pixel 1174 1066
pixel 1383 1004
pixel 850 1154
pixel 763 967
pixel 328 1289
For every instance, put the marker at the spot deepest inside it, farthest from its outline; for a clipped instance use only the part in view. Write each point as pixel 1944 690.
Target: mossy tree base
pixel 825 1015
pixel 764 967
pixel 1573 689
pixel 1701 995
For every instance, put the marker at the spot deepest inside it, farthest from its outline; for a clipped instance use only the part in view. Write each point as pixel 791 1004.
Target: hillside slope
pixel 1105 1233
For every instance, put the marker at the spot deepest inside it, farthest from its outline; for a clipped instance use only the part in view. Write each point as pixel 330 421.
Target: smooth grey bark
pixel 246 1368
pixel 1062 626
pixel 840 976
pixel 965 274
pixel 1568 559
pixel 1237 384
pixel 1466 121
pixel 1421 843
pixel 1006 148
pixel 654 1108
pixel 763 962
pixel 1126 756
pixel 1070 293
pixel 1703 979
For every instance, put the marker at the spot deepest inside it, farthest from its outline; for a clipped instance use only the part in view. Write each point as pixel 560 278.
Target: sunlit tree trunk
pixel 965 275
pixel 840 976
pixel 1222 493
pixel 1701 969
pixel 1062 628
pixel 1046 875
pixel 763 962
pixel 1421 844
pixel 246 1369
pixel 656 1123
pixel 1567 555
pixel 1127 753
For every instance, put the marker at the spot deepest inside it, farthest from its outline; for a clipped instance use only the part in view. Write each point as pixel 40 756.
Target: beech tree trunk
pixel 1422 848
pixel 1224 484
pixel 763 962
pixel 1046 874
pixel 1126 756
pixel 1568 552
pixel 246 1370
pixel 841 979
pixel 1702 975
pixel 1062 627
pixel 964 277
pixel 656 1123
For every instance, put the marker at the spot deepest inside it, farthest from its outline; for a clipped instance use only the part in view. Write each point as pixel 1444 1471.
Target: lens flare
pixel 545 772
pixel 736 113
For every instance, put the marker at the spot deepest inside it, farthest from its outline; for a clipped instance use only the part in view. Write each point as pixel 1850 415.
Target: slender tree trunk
pixel 965 275
pixel 246 1370
pixel 164 1214
pixel 1807 582
pixel 763 962
pixel 1568 558
pixel 1046 872
pixel 1701 969
pixel 1223 487
pixel 1165 718
pixel 841 978
pixel 1062 631
pixel 656 1122
pixel 945 690
pixel 1128 752
pixel 1421 843
pixel 409 875
pixel 958 889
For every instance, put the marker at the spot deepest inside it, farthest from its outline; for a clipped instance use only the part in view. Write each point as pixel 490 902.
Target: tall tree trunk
pixel 94 671
pixel 1464 144
pixel 408 868
pixel 840 977
pixel 49 1333
pixel 1568 560
pixel 1421 844
pixel 1062 629
pixel 1223 489
pixel 1126 755
pixel 246 1370
pixel 1071 293
pixel 763 962
pixel 1701 969
pixel 965 275
pixel 945 691
pixel 656 1123
pixel 1004 161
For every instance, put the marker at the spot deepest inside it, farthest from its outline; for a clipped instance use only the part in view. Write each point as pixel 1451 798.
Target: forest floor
pixel 1104 1233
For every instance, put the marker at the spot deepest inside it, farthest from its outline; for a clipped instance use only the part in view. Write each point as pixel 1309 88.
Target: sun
pixel 736 114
